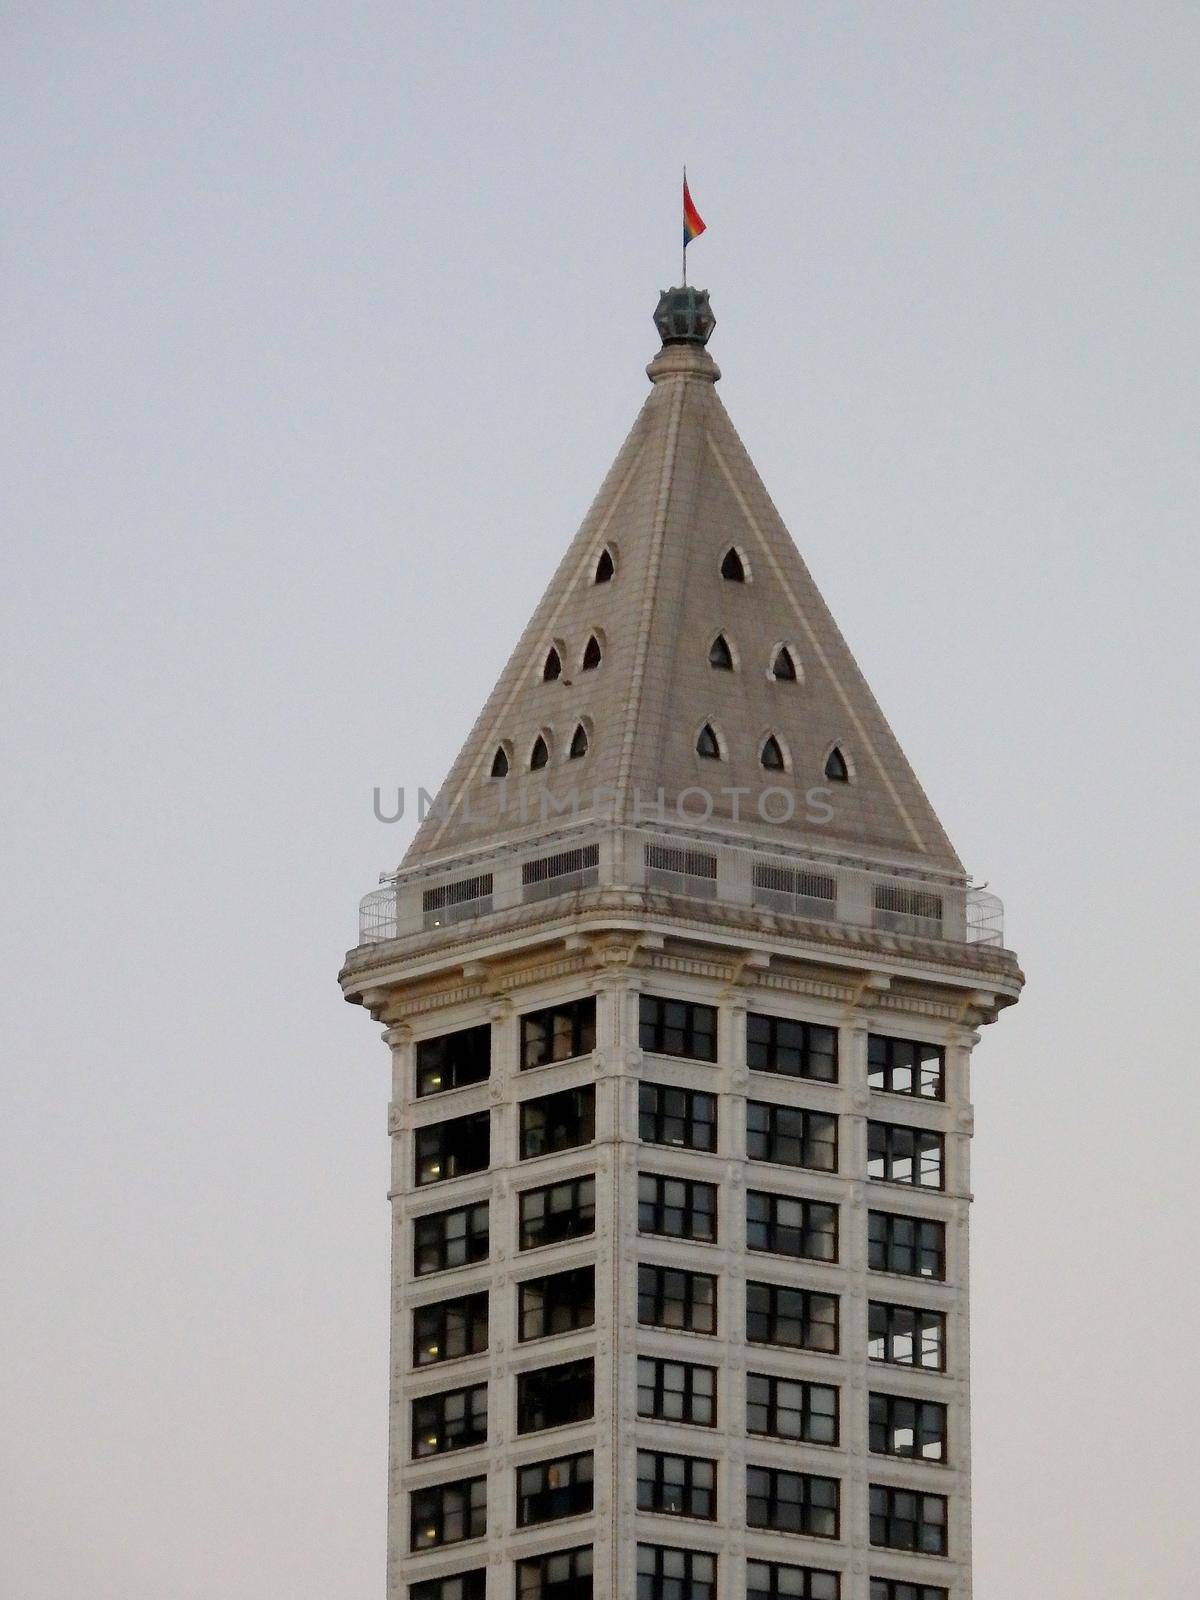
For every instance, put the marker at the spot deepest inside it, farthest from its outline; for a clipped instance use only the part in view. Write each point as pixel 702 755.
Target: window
pixel 553 666
pixel 676 870
pixel 685 1118
pixel 903 1427
pixel 783 667
pixel 457 901
pixel 605 567
pixel 720 655
pixel 678 1028
pixel 558 1121
pixel 771 755
pixel 453 1420
pixel 900 1589
pixel 793 1049
pixel 453 1060
pixel 906 1336
pixel 557 1303
pixel 546 876
pixel 676 1486
pixel 462 1586
pixel 557 1575
pixel 677 1391
pixel 669 1298
pixel 677 1207
pixel 447 1513
pixel 792 1136
pixel 732 568
pixel 450 1239
pixel 798 1318
pixel 787 1226
pixel 450 1328
pixel 579 743
pixel 539 756
pixel 707 745
pixel 771 1580
pixel 667 1574
pixel 557 1212
pixel 912 1245
pixel 558 1033
pixel 836 769
pixel 551 1397
pixel 905 1066
pixel 500 763
pixel 798 891
pixel 592 654
pixel 792 1502
pixel 548 1490
pixel 902 1519
pixel 897 1154
pixel 786 1408
pixel 452 1149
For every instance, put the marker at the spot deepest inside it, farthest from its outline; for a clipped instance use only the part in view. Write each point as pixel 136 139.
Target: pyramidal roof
pixel 631 687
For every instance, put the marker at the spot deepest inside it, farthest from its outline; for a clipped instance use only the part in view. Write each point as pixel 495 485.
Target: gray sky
pixel 322 325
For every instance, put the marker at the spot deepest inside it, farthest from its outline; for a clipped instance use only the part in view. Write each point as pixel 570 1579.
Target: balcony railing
pixel 690 867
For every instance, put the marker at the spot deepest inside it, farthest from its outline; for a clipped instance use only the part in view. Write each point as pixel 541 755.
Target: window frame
pixel 462 1074
pixel 477 1242
pixel 772 1047
pixel 775 1318
pixel 576 1018
pixel 775 1231
pixel 699 1586
pixel 471 1585
pixel 690 1399
pixel 830 1590
pixel 469 1393
pixel 889 1424
pixel 448 1150
pixel 654 1490
pixel 906 1589
pixel 772 1498
pixel 655 1209
pixel 889 1249
pixel 658 1117
pixel 653 1030
pixel 571 1380
pixel 471 1306
pixel 580 1207
pixel 582 1096
pixel 551 1306
pixel 577 1480
pixel 777 1384
pixel 881 1520
pixel 925 1319
pixel 472 1490
pixel 657 1296
pixel 813 1124
pixel 565 1588
pixel 887 1068
pixel 891 1136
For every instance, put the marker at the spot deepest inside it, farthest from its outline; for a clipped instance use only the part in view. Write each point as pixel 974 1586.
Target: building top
pixel 682 662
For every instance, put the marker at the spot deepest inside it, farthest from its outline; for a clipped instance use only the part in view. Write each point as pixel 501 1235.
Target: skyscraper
pixel 681 979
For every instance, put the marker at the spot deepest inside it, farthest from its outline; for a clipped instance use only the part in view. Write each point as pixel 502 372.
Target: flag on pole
pixel 693 223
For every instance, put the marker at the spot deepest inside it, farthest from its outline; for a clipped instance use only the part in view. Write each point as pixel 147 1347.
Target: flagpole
pixel 685 233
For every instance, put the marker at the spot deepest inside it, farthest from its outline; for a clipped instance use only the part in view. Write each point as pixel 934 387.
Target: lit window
pixel 540 754
pixel 553 666
pixel 783 668
pixel 451 1060
pixel 707 745
pixel 836 769
pixel 720 655
pixel 500 763
pixel 453 1420
pixel 448 1513
pixel 450 1239
pixel 452 1149
pixel 449 1329
pixel 732 568
pixel 592 654
pixel 579 743
pixel 771 755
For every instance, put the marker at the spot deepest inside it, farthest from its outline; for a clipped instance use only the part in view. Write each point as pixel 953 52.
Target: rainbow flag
pixel 693 223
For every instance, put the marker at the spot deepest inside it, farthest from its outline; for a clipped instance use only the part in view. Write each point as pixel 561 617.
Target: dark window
pixel 450 1239
pixel 453 1420
pixel 551 1397
pixel 676 1486
pixel 771 755
pixel 836 769
pixel 912 1245
pixel 792 1502
pixel 771 1580
pixel 454 1059
pixel 447 1513
pixel 558 1211
pixel 685 1118
pixel 677 1391
pixel 901 1589
pixel 677 1207
pixel 783 668
pixel 539 756
pixel 669 1298
pixel 558 1121
pixel 905 1066
pixel 791 1135
pixel 558 1032
pixel 557 1575
pixel 454 1148
pixel 461 1586
pixel 678 1028
pixel 794 1049
pixel 605 567
pixel 784 1225
pixel 906 1336
pixel 548 1490
pixel 500 763
pixel 732 569
pixel 553 666
pixel 591 654
pixel 898 1154
pixel 789 1408
pixel 904 1427
pixel 579 743
pixel 720 655
pixel 557 1303
pixel 450 1328
pixel 799 1318
pixel 667 1574
pixel 903 1519
pixel 707 745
